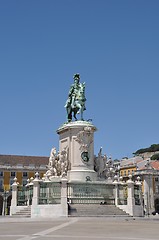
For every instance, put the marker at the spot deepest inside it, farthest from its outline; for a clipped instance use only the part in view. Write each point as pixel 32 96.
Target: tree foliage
pixel 152 148
pixel 155 157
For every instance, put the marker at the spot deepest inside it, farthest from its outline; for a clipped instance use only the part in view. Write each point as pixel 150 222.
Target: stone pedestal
pixel 148 192
pixel 131 199
pixel 78 138
pixel 14 197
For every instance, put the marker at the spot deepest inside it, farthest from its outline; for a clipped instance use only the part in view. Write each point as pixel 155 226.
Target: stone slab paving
pixel 80 229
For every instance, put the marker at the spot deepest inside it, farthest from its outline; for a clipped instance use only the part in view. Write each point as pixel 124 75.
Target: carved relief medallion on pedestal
pixel 85 138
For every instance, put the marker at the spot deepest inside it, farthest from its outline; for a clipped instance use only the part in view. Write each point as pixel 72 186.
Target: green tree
pixel 155 157
pixel 152 148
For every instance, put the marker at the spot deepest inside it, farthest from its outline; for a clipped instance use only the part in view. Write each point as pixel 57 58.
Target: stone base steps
pixel 25 212
pixel 80 210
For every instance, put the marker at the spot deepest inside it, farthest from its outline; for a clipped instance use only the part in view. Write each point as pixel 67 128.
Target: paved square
pixel 79 229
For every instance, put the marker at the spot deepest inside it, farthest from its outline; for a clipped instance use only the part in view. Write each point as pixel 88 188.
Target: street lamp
pixel 5 195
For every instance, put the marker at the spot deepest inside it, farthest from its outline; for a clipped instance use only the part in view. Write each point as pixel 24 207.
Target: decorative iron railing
pixel 30 193
pixel 90 193
pixel 137 195
pixel 122 194
pixel 50 193
pixel 22 196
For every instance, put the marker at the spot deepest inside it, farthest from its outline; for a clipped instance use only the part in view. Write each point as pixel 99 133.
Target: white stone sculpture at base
pixel 51 166
pixel 58 163
pixel 64 161
pixel 104 167
pixel 100 163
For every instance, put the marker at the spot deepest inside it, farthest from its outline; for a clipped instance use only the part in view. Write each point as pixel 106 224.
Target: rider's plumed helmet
pixel 76 76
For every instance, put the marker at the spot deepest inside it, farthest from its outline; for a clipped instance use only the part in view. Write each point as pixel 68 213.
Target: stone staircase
pixel 86 210
pixel 25 212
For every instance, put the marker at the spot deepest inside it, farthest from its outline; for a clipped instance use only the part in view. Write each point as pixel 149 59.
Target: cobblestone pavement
pixel 80 229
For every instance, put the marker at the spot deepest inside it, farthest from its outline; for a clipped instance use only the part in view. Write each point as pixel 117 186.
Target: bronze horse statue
pixel 76 102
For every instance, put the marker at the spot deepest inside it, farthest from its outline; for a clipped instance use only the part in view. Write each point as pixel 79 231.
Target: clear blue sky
pixel 113 44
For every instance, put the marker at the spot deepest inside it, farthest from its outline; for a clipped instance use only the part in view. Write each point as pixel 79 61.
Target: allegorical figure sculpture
pixel 58 163
pixel 75 103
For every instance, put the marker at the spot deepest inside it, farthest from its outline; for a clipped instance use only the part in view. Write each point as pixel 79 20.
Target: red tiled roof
pixel 155 164
pixel 13 160
pixel 130 161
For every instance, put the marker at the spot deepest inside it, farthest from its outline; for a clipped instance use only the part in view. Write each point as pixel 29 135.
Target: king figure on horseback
pixel 76 99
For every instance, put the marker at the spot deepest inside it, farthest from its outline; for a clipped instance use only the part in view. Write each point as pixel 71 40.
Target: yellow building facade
pixel 20 167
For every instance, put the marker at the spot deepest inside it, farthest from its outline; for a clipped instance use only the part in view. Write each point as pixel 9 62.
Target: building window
pixel 157 189
pixel 24 182
pixel 25 174
pixel 124 173
pixel 12 174
pixel 1 174
pixel 156 179
pixel 11 182
pixel 1 184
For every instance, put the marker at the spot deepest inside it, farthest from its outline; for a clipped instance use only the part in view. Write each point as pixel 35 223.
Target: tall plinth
pixel 78 138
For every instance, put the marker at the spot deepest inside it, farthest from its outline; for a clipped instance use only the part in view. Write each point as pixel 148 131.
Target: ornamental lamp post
pixel 5 195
